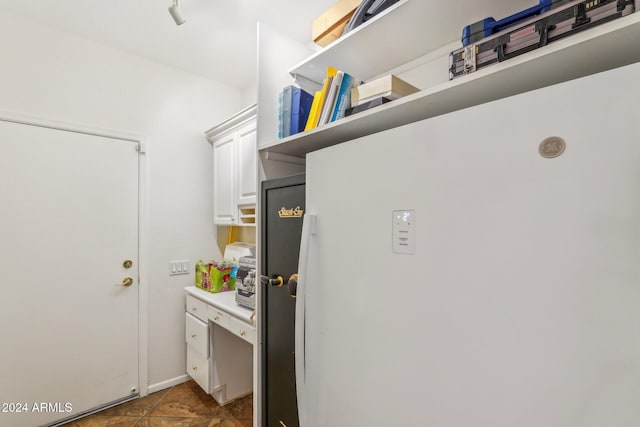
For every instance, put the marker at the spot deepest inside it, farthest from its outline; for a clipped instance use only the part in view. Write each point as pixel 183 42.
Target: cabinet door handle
pixel 194 308
pixel 194 367
pixel 216 318
pixel 193 335
pixel 242 333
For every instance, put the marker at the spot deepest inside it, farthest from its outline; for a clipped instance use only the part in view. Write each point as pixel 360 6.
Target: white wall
pixel 429 70
pixel 249 95
pixel 57 76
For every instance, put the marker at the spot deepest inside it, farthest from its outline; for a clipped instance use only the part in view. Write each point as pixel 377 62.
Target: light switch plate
pixel 179 267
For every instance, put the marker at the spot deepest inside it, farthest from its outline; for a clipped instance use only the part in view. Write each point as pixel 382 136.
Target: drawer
pixel 198 368
pixel 197 334
pixel 218 316
pixel 242 329
pixel 197 308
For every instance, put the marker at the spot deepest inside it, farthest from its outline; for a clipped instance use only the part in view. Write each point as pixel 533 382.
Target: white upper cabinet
pixel 234 169
pixel 224 173
pixel 246 164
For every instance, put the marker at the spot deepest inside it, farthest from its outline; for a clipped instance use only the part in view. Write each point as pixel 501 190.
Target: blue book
pixel 286 110
pixel 300 107
pixel 343 99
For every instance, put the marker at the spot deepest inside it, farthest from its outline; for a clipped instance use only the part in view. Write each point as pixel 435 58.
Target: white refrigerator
pixel 478 269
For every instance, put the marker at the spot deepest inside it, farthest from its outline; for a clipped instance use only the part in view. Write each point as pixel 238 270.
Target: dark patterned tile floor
pixel 184 405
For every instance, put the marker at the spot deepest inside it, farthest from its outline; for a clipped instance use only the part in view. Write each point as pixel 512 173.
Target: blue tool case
pixel 488 26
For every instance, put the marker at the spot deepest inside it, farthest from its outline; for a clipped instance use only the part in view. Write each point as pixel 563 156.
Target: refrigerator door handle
pixel 308 230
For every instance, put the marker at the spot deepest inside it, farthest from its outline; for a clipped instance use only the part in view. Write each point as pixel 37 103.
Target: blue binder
pixel 300 106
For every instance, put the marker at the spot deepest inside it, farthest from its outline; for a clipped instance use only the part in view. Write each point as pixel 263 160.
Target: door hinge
pixel 141 147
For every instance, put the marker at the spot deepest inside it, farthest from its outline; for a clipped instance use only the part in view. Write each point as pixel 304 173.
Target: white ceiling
pixel 218 41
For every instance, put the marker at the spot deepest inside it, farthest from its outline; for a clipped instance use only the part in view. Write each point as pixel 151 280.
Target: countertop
pixel 225 301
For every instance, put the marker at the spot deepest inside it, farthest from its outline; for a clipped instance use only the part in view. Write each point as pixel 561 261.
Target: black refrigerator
pixel 283 202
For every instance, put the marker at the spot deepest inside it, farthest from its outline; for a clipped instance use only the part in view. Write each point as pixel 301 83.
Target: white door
pixel 225 207
pixel 69 221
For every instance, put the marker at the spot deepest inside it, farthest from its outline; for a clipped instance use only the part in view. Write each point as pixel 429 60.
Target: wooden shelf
pixel 598 49
pixel 247 215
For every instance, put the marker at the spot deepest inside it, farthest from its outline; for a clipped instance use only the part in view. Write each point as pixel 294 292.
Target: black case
pixel 555 24
pixel 365 11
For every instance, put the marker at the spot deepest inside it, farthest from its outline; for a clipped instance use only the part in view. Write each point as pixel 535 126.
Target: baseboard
pixel 168 383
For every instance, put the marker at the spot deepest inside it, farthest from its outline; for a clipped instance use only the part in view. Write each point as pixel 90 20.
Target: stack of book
pixel 377 92
pixel 294 105
pixel 331 102
pixel 341 95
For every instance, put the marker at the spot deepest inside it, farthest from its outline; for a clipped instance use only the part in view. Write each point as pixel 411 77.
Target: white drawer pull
pixel 194 308
pixel 216 318
pixel 193 335
pixel 243 333
pixel 195 367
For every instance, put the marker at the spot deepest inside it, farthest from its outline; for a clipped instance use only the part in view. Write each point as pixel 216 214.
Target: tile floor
pixel 184 405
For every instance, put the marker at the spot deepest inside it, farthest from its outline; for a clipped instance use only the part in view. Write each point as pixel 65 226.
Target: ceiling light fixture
pixel 175 13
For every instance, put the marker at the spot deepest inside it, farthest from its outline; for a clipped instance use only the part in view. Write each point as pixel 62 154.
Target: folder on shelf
pixel 330 101
pixel 318 100
pixel 313 112
pixel 343 100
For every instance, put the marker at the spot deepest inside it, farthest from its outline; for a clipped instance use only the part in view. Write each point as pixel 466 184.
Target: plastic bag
pixel 216 276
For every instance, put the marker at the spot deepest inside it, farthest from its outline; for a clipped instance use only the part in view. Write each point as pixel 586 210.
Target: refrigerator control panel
pixel 404 232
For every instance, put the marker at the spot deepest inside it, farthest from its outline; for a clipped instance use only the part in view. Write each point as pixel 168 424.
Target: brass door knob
pixel 127 281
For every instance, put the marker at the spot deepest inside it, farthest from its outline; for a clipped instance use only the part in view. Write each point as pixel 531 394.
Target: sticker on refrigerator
pixel 403 232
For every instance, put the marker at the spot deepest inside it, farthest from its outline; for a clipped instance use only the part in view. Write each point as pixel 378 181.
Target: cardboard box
pixel 389 86
pixel 329 26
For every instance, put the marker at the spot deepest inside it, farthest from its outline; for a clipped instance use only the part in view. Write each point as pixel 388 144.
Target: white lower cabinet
pixel 242 330
pixel 198 368
pixel 197 339
pixel 220 342
pixel 219 317
pixel 231 367
pixel 197 308
pixel 197 335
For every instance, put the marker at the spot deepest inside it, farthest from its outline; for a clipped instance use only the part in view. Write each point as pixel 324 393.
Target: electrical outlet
pixel 179 267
